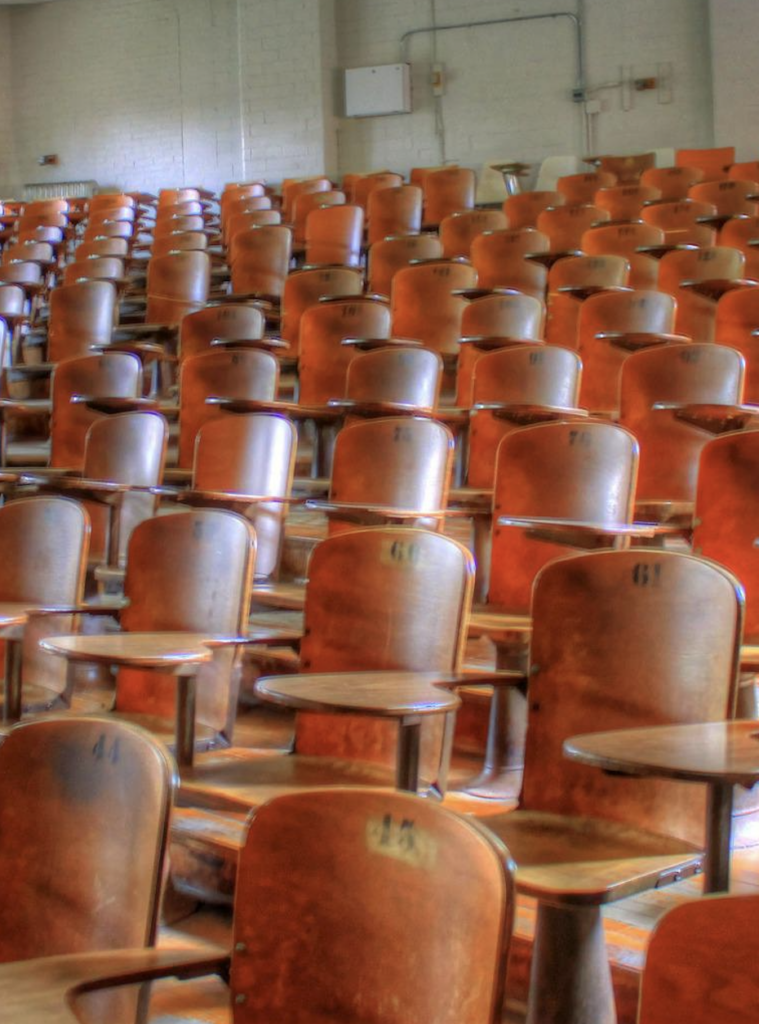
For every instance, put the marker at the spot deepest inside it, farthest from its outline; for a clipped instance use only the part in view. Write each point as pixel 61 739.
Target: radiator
pixel 60 189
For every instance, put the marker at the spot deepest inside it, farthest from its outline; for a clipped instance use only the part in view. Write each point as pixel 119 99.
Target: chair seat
pixel 238 779
pixel 37 698
pixel 564 859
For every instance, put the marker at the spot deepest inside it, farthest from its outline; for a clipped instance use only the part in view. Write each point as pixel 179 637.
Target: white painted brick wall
pixel 735 30
pixel 508 86
pixel 146 93
pixel 7 146
pixel 149 93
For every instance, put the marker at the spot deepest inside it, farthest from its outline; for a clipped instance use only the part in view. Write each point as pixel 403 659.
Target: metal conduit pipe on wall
pixel 575 18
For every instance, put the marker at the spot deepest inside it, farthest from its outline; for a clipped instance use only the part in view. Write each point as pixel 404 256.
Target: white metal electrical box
pixel 382 89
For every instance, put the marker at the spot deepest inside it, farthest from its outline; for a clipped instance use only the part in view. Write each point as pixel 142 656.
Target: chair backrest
pixel 373 182
pixel 109 229
pixel 739 233
pixel 681 616
pixel 21 273
pixel 245 373
pixel 12 302
pixel 308 201
pixel 34 252
pixel 423 304
pixel 292 189
pixel 676 213
pixel 179 241
pixel 624 240
pixel 400 462
pixel 259 260
pixel 84 810
pixel 100 268
pixel 499 258
pixel 81 318
pixel 111 375
pixel 228 321
pixel 189 571
pixel 127 448
pixel 588 272
pixel 371 887
pixel 578 471
pixel 672 182
pixel 447 190
pixel 714 162
pixel 745 171
pixel 696 314
pixel 109 200
pixel 304 288
pixel 190 208
pixel 521 374
pixel 389 255
pixel 729 196
pixel 44 544
pixel 324 360
pixel 54 236
pixel 678 374
pixel 630 312
pixel 380 598
pixel 255 455
pixel 396 374
pixel 737 318
pixel 394 211
pixel 700 963
pixel 511 318
pixel 178 283
pixel 334 235
pixel 565 225
pixel 252 219
pixel 118 247
pixel 458 230
pixel 581 188
pixel 627 169
pixel 726 504
pixel 523 208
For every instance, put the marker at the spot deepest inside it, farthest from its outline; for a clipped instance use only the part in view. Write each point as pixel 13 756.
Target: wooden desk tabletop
pixel 144 650
pixel 562 527
pixel 13 613
pixel 389 694
pixel 725 752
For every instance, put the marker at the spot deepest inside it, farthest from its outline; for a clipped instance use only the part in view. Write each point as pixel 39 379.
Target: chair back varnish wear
pixel 188 571
pixel 369 870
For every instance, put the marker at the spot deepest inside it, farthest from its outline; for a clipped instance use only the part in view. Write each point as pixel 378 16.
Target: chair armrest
pixel 268 343
pixel 633 341
pixel 582 534
pixel 710 416
pixel 386 694
pixel 525 413
pixel 370 514
pixel 38 991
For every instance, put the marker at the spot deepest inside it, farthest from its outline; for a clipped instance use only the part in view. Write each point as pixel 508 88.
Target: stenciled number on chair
pixel 401 553
pixel 580 438
pixel 102 752
pixel 401 839
pixel 646 574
